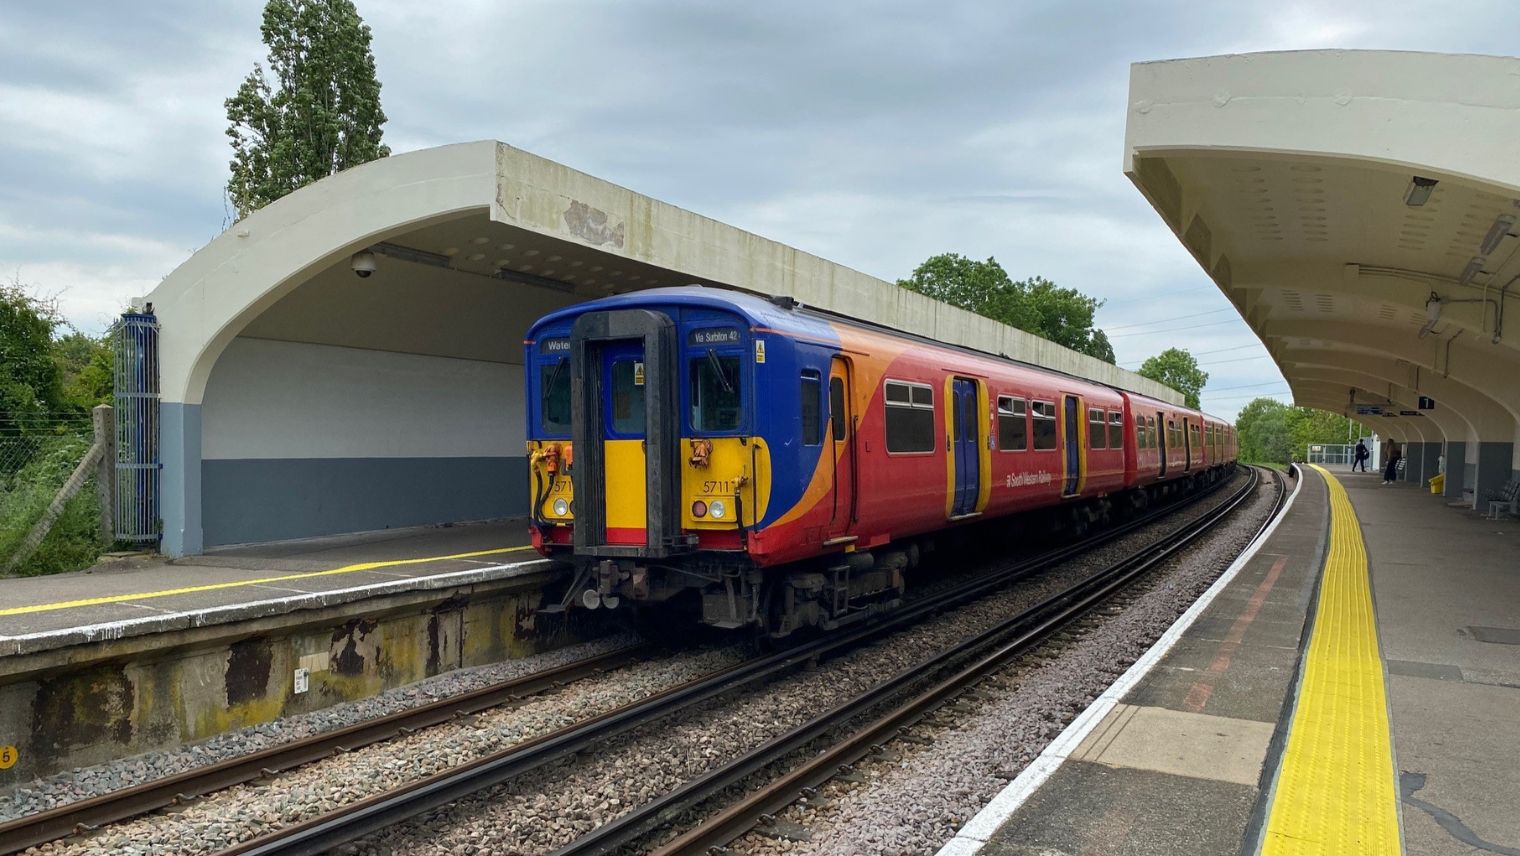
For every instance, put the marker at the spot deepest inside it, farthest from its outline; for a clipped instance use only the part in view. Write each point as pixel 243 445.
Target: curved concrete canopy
pixel 494 213
pixel 1359 206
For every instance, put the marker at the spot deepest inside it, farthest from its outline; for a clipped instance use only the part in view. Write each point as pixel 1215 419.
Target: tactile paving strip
pixel 1335 790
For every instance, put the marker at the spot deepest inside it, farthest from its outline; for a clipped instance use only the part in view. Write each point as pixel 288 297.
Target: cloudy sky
pixel 873 134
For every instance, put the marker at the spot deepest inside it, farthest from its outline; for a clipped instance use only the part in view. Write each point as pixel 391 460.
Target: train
pixel 749 462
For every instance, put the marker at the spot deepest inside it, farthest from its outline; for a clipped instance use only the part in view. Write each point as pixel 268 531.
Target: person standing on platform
pixel 1394 453
pixel 1361 456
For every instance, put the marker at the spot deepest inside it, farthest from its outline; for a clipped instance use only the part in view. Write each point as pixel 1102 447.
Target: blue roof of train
pixel 758 311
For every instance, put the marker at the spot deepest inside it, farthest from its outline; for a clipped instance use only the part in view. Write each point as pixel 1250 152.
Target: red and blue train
pixel 764 464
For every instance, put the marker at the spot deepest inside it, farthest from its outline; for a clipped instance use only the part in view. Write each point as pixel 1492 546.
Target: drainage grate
pixel 1497 635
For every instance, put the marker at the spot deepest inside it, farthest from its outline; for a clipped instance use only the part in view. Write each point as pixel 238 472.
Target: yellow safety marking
pixel 1335 789
pixel 8 757
pixel 347 569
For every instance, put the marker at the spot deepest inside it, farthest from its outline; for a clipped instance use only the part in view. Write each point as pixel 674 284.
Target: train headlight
pixel 561 507
pixel 716 509
pixel 699 509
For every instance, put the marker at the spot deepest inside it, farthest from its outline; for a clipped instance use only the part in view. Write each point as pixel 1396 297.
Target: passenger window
pixel 1043 416
pixel 1150 432
pixel 910 417
pixel 1140 432
pixel 836 407
pixel 1095 435
pixel 628 397
pixel 554 401
pixel 715 400
pixel 812 419
pixel 1115 430
pixel 1013 424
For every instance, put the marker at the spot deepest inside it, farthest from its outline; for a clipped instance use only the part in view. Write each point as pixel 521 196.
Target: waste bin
pixel 1438 484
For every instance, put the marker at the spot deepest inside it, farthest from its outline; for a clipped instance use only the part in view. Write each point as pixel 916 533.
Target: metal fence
pixel 38 452
pixel 135 511
pixel 1331 454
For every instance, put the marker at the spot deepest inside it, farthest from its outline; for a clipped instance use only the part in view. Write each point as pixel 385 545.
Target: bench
pixel 1506 499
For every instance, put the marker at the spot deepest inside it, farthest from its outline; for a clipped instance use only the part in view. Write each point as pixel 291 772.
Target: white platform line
pixel 972 837
pixel 202 617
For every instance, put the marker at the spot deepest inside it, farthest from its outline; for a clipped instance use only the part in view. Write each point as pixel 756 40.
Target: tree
pixel 1036 305
pixel 1176 368
pixel 30 385
pixel 321 114
pixel 85 369
pixel 1273 432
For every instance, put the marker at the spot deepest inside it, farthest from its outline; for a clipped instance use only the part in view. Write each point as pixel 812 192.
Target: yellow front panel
pixel 1335 789
pixel 734 469
pixel 558 483
pixel 625 484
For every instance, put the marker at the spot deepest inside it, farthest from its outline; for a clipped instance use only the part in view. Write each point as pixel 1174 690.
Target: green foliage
pixel 320 114
pixel 74 541
pixel 1177 368
pixel 30 384
pixel 85 367
pixel 1037 305
pixel 1272 432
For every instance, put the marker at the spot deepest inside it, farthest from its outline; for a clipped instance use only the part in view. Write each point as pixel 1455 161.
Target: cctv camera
pixel 363 263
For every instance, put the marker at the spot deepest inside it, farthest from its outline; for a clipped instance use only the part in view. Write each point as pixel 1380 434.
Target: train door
pixel 842 440
pixel 1162 432
pixel 1187 444
pixel 623 441
pixel 965 447
pixel 1072 483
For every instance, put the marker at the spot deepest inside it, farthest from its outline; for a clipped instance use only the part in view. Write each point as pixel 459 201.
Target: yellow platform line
pixel 1335 790
pixel 347 569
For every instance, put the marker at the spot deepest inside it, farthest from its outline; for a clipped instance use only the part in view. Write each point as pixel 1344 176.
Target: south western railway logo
pixel 1026 479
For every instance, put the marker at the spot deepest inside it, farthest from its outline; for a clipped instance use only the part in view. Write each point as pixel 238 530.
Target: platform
pixel 1263 724
pixel 132 598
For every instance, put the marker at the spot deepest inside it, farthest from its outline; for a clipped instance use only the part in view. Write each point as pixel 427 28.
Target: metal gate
pixel 135 505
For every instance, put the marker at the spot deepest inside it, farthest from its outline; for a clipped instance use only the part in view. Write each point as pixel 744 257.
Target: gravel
pixel 922 801
pixel 548 809
pixel 915 803
pixel 246 811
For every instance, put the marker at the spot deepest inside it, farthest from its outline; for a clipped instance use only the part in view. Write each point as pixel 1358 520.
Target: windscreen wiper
pixel 717 364
pixel 559 369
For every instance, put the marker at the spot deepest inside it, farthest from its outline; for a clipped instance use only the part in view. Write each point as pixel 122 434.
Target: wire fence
pixel 38 454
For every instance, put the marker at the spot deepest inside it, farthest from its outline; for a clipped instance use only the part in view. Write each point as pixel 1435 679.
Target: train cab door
pixel 965 446
pixel 623 427
pixel 1161 433
pixel 1187 444
pixel 841 440
pixel 1072 417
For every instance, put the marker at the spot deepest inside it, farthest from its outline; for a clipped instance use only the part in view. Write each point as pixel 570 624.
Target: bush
pixel 74 541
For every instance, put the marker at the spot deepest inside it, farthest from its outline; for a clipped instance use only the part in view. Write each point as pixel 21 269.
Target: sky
pixel 872 134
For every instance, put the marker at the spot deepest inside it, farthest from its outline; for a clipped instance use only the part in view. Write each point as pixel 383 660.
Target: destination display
pixel 713 336
pixel 554 346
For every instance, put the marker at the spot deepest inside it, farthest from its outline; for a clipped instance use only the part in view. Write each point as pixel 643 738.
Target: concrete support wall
pixel 180 480
pixel 1493 470
pixel 1430 454
pixel 1456 469
pixel 305 440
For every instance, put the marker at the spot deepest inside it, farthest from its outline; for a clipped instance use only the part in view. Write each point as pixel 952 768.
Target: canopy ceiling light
pixel 1419 191
pixel 1496 233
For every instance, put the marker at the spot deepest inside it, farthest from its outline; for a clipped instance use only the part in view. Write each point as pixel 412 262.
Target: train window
pixel 1140 432
pixel 1115 429
pixel 1043 415
pixel 910 417
pixel 1151 435
pixel 812 419
pixel 554 401
pixel 1095 435
pixel 628 397
pixel 715 399
pixel 836 407
pixel 1013 424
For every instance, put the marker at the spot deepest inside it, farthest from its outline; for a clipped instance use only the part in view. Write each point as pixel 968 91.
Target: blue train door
pixel 1073 481
pixel 968 462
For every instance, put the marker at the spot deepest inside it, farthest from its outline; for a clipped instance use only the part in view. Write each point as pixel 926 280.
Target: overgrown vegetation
pixel 1271 432
pixel 50 377
pixel 1177 368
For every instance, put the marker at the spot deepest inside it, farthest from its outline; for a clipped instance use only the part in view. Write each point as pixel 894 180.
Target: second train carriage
pixel 771 465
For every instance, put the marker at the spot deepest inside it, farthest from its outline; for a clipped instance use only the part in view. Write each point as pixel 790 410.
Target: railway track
pixel 324 832
pixel 356 821
pixel 979 657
